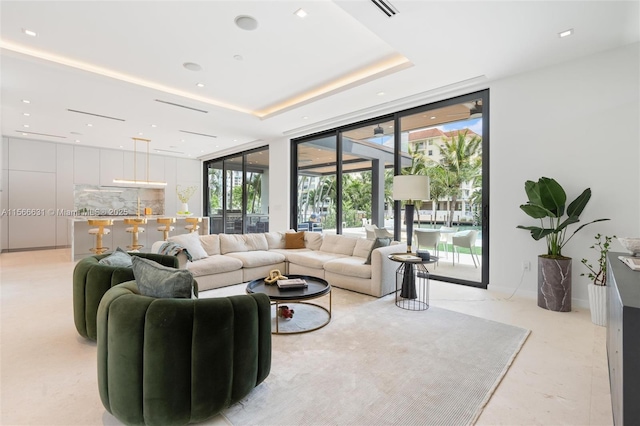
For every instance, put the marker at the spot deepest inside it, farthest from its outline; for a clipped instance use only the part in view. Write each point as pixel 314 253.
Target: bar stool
pixel 165 226
pixel 192 223
pixel 99 232
pixel 135 229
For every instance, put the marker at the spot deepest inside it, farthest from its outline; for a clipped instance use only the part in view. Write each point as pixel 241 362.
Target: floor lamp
pixel 409 188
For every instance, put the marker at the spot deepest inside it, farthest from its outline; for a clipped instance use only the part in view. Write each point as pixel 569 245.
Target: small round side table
pixel 412 281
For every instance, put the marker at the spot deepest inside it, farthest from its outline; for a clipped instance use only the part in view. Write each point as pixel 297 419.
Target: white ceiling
pixel 115 58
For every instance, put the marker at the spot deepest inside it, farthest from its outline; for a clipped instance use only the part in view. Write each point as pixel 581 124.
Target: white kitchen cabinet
pixel 86 165
pixel 32 199
pixel 21 155
pixel 111 166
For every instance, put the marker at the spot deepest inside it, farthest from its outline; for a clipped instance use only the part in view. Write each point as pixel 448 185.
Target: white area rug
pixel 376 364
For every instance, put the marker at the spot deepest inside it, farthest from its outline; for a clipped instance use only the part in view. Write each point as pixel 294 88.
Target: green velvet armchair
pixel 91 280
pixel 179 361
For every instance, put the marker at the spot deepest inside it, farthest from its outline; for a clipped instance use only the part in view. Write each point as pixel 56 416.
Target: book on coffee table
pixel 292 283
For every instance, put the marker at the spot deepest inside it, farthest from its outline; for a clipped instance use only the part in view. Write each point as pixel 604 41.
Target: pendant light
pixel 135 180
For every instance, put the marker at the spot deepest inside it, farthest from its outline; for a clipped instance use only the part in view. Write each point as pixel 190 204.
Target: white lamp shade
pixel 411 187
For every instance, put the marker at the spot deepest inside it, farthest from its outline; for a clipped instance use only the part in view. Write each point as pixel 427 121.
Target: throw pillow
pixel 117 258
pixel 191 242
pixel 294 240
pixel 156 280
pixel 379 242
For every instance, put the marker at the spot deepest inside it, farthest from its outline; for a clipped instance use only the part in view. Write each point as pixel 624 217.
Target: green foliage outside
pixel 461 162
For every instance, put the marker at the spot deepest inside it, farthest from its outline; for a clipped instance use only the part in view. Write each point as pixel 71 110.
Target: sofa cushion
pixel 118 258
pixel 191 242
pixel 338 244
pixel 294 240
pixel 312 259
pixel 379 242
pixel 210 244
pixel 156 280
pixel 254 259
pixel 349 266
pixel 232 243
pixel 313 240
pixel 287 252
pixel 216 264
pixel 275 240
pixel 362 248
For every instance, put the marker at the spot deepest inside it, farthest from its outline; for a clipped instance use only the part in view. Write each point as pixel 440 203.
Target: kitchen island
pixel 82 241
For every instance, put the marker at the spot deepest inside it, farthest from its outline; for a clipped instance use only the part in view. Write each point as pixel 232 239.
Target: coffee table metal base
pixel 282 325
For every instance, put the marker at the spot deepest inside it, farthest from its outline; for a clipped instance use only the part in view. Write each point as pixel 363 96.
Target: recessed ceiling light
pixel 191 66
pixel 29 32
pixel 300 13
pixel 219 145
pixel 139 133
pixel 246 22
pixel 25 134
pixel 89 125
pixel 305 118
pixel 78 141
pixel 153 125
pixel 433 117
pixel 566 33
pixel 200 84
pixel 25 125
pixel 26 101
pixel 26 114
pixel 120 146
pixel 238 57
pixel 380 93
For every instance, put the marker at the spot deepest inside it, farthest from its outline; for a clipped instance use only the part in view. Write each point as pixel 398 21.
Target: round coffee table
pixel 316 287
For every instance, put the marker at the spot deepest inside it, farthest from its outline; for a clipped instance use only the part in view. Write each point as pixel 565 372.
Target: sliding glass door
pixel 238 197
pixel 343 181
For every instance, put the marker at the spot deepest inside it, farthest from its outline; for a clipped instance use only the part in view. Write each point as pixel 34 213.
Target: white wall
pixel 577 123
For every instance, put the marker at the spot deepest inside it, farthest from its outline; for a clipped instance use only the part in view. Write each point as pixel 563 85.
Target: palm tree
pixel 462 159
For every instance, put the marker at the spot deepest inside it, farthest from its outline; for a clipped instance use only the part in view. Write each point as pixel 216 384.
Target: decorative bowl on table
pixel 184 214
pixel 631 244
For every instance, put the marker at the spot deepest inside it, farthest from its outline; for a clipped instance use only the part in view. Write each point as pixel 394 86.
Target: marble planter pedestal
pixel 554 284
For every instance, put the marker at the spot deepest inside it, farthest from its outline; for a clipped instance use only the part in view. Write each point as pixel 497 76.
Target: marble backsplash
pixel 117 201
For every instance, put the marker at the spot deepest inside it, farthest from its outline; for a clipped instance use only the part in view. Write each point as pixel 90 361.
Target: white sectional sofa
pixel 227 259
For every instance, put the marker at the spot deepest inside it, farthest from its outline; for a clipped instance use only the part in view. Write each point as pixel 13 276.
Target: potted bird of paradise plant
pixel 547 202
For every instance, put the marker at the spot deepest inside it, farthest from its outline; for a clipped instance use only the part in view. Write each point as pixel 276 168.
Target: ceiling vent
pixel 40 134
pixel 199 134
pixel 181 106
pixel 385 7
pixel 168 150
pixel 95 115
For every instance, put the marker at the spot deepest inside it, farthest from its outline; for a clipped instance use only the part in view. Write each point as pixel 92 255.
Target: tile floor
pixel 47 371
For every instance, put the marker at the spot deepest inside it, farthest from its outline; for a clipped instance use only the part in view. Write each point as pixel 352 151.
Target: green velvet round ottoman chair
pixel 169 361
pixel 91 280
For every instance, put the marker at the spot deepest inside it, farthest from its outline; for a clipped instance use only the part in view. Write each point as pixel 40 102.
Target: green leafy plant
pixel 598 274
pixel 547 200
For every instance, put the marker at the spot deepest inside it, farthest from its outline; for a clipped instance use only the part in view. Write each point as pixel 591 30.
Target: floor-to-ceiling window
pixel 344 177
pixel 316 186
pixel 237 200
